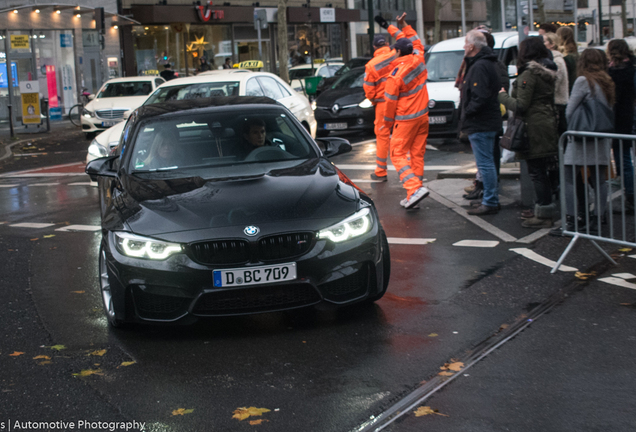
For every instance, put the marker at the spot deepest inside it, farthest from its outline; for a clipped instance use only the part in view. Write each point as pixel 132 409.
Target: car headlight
pixel 87 113
pixel 353 226
pixel 142 247
pixel 313 105
pixel 366 103
pixel 97 150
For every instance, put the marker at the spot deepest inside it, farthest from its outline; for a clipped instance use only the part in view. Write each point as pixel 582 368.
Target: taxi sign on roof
pixel 251 64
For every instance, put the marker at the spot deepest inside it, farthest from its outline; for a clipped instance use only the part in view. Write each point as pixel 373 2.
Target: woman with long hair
pixel 595 83
pixel 562 88
pixel 532 99
pixel 568 48
pixel 622 70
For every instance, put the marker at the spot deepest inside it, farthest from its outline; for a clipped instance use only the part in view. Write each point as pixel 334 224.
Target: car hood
pixel 343 97
pixel 443 91
pixel 307 196
pixel 130 102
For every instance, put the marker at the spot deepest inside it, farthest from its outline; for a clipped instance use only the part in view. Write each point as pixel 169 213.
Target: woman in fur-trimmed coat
pixel 532 99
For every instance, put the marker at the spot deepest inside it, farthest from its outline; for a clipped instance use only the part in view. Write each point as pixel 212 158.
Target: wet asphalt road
pixel 315 370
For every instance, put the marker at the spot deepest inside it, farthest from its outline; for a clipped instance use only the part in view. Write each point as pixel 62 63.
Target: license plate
pixel 109 123
pixel 254 275
pixel 437 120
pixel 335 126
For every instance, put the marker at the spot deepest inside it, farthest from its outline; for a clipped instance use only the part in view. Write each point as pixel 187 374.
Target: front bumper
pixel 180 288
pixel 355 118
pixel 445 111
pixel 96 124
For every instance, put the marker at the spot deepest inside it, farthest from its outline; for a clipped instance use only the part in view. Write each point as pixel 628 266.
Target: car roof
pixel 135 78
pixel 317 65
pixel 218 76
pixel 216 103
pixel 502 40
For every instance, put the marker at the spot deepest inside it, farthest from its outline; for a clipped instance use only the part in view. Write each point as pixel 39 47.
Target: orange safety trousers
pixel 382 136
pixel 409 139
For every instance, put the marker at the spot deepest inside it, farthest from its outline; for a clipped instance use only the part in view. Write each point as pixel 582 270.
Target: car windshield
pixel 444 66
pixel 193 91
pixel 353 79
pixel 353 63
pixel 126 89
pixel 300 73
pixel 219 145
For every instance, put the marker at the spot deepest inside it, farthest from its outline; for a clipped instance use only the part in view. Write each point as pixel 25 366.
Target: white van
pixel 443 61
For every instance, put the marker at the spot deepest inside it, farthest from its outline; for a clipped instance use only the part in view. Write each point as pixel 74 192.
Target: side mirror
pixel 102 167
pixel 127 114
pixel 333 146
pixel 512 71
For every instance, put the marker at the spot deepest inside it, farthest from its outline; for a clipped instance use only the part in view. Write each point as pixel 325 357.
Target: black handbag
pixel 516 136
pixel 592 116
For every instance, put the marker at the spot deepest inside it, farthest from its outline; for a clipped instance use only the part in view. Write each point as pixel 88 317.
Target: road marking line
pixel 41 175
pixel 532 255
pixel 477 243
pixel 372 141
pixel 624 275
pixel 474 219
pixel 80 228
pixel 410 241
pixel 631 256
pixel 81 184
pixel 31 225
pixel 8 185
pixel 535 235
pixel 618 282
pixel 392 168
pixel 45 184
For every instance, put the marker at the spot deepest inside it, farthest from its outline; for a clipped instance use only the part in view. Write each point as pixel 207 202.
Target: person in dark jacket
pixel 622 71
pixel 532 99
pixel 167 73
pixel 480 114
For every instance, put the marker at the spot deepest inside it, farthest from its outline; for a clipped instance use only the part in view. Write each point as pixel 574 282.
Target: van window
pixel 444 66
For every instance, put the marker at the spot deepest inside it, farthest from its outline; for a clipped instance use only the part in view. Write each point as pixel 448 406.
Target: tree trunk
pixel 283 51
pixel 541 16
pixel 624 17
pixel 437 29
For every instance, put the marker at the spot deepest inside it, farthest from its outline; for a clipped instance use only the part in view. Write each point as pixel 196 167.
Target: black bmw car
pixel 344 106
pixel 226 206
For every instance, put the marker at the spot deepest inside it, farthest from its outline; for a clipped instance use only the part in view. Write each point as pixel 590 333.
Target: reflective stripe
pixel 414 73
pixel 386 62
pixel 412 116
pixel 378 100
pixel 416 52
pixel 380 166
pixel 408 177
pixel 404 168
pixel 373 84
pixel 390 96
pixel 397 33
pixel 380 159
pixel 414 38
pixel 415 90
pixel 388 119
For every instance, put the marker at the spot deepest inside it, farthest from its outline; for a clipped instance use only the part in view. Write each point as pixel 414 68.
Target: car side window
pixel 253 88
pixel 284 90
pixel 158 82
pixel 323 72
pixel 271 87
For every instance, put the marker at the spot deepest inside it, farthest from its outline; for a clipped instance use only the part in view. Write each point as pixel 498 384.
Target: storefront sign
pixel 30 93
pixel 51 85
pixel 327 15
pixel 66 40
pixel 205 13
pixel 20 42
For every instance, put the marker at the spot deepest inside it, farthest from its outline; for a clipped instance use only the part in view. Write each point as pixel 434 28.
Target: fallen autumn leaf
pixel 16 354
pixel 426 410
pixel 243 413
pixel 182 411
pixel 89 372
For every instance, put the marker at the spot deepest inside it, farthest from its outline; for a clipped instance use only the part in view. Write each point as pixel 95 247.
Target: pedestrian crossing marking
pixel 80 228
pixel 532 255
pixel 618 282
pixel 410 241
pixel 8 185
pixel 477 243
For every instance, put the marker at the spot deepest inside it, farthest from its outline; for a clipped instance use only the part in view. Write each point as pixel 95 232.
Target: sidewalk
pixel 20 131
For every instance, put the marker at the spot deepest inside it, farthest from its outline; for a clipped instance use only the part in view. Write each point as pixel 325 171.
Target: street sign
pixel 30 94
pixel 327 15
pixel 260 18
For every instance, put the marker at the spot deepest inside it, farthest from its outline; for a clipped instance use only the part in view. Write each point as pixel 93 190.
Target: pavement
pixel 566 364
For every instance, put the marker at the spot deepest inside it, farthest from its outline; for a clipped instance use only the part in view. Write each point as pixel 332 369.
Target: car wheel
pixel 321 133
pixel 105 289
pixel 386 268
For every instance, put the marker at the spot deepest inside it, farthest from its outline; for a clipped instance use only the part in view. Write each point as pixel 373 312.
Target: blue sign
pixel 4 80
pixel 66 40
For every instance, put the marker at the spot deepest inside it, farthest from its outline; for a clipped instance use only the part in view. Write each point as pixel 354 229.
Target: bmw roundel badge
pixel 251 230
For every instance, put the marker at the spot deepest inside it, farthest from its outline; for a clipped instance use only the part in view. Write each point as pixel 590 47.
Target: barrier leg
pixel 565 253
pixel 605 254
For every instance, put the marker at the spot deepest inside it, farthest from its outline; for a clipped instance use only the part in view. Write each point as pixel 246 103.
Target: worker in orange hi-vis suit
pixel 376 72
pixel 406 110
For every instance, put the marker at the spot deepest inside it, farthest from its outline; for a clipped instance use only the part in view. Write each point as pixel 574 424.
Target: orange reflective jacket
pixel 383 62
pixel 405 92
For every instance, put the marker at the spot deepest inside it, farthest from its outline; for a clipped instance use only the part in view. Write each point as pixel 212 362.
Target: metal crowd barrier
pixel 590 193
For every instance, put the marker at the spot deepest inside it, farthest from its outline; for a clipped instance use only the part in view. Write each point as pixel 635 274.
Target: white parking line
pixel 44 184
pixel 618 282
pixel 81 184
pixel 8 185
pixel 410 241
pixel 477 243
pixel 80 228
pixel 530 254
pixel 31 225
pixel 624 275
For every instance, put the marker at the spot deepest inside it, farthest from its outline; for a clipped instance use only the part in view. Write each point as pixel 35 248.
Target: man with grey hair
pixel 480 116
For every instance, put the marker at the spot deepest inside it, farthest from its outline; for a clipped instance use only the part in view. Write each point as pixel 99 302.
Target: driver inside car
pixel 254 136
